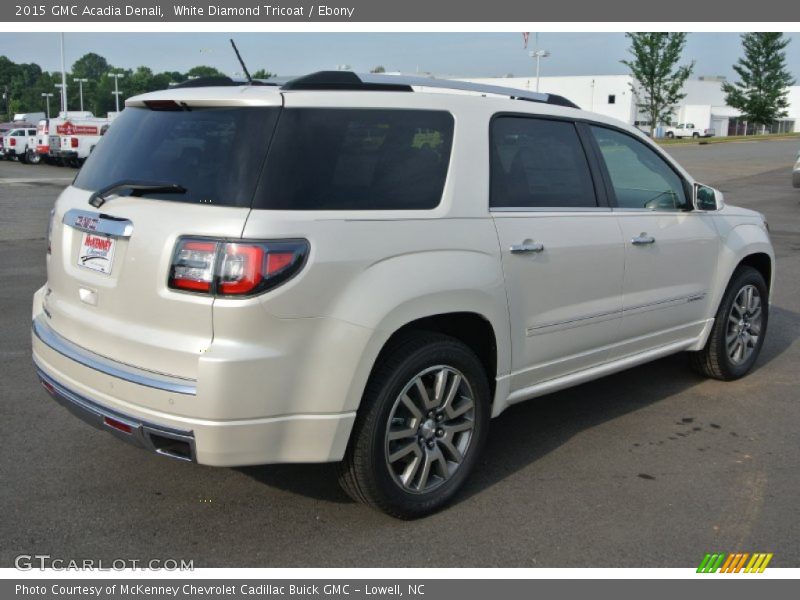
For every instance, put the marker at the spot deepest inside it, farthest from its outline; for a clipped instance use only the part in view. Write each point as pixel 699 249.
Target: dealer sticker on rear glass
pixel 97 252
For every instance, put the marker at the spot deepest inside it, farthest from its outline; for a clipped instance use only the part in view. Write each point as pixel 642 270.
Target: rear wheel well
pixel 760 262
pixel 471 329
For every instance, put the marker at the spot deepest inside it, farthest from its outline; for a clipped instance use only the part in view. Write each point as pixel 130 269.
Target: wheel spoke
pixel 451 428
pixel 425 473
pixel 403 452
pixel 411 407
pixel 450 447
pixel 427 403
pixel 465 406
pixel 401 434
pixel 439 387
pixel 412 467
pixel 451 394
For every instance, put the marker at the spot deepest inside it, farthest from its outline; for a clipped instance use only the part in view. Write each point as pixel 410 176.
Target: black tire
pixel 669 135
pixel 714 360
pixel 365 473
pixel 695 135
pixel 33 157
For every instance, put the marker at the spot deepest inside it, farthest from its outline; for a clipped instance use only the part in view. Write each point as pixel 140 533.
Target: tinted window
pixel 215 153
pixel 538 163
pixel 343 159
pixel 640 177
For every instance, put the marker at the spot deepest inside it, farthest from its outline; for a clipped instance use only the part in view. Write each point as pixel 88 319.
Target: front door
pixel 670 250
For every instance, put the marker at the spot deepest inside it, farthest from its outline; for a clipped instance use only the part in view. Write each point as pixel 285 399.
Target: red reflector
pixel 278 261
pixel 118 425
pixel 74 142
pixel 48 387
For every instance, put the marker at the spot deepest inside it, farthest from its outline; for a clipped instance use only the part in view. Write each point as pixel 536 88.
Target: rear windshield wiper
pixel 98 198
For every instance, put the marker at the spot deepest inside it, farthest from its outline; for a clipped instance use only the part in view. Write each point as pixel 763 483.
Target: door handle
pixel 526 248
pixel 643 239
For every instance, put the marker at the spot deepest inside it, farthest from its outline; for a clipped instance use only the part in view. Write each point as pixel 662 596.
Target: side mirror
pixel 707 198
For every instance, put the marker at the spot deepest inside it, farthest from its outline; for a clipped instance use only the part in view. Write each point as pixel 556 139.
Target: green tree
pixel 761 92
pixel 263 74
pixel 204 71
pixel 658 79
pixel 378 69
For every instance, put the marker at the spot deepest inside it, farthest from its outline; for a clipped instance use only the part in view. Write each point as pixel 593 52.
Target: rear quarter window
pixel 357 159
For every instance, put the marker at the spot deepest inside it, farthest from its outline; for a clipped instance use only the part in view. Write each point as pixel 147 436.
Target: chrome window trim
pixel 106 225
pixel 166 383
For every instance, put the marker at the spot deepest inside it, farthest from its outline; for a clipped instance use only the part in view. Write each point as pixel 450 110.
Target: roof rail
pixel 219 81
pixel 347 80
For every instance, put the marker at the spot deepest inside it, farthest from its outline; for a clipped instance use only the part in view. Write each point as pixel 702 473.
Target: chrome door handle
pixel 526 247
pixel 643 239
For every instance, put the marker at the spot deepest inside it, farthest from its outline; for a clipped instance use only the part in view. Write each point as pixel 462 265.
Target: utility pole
pixel 80 83
pixel 117 77
pixel 47 96
pixel 538 55
pixel 63 80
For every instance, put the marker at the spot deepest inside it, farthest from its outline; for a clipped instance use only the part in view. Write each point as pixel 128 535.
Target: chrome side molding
pixel 95 222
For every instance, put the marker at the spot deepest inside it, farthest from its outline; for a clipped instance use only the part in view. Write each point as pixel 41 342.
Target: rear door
pixel 561 249
pixel 670 250
pixel 108 271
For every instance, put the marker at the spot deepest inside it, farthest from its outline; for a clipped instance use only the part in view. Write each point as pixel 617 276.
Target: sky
pixel 459 54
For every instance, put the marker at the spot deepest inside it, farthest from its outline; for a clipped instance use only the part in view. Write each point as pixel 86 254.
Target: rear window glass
pixel 357 159
pixel 214 153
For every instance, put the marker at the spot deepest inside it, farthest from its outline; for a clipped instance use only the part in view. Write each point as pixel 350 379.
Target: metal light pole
pixel 538 55
pixel 63 80
pixel 117 77
pixel 80 83
pixel 47 96
pixel 64 104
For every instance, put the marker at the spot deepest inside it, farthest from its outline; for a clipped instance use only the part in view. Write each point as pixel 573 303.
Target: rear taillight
pixel 193 265
pixel 12 141
pixel 73 142
pixel 227 268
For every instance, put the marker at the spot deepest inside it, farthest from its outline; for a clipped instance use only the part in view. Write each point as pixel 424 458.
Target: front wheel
pixel 33 157
pixel 422 424
pixel 739 328
pixel 670 135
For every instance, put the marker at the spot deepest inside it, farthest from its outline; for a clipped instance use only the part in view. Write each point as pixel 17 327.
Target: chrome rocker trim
pixel 150 437
pixel 110 367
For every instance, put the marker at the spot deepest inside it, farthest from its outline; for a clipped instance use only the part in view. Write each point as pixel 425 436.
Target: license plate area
pixel 96 252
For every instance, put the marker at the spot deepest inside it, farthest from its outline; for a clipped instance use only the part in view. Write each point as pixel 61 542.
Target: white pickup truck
pixel 682 130
pixel 20 143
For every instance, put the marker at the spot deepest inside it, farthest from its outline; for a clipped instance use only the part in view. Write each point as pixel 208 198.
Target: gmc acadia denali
pixel 367 269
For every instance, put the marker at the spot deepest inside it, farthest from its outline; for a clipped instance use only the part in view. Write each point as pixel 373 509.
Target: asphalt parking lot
pixel 652 467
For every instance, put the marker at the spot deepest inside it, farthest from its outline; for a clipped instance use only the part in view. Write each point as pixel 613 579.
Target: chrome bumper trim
pixel 110 367
pixel 148 436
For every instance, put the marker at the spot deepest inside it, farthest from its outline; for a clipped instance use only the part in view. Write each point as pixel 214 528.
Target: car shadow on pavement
pixel 530 430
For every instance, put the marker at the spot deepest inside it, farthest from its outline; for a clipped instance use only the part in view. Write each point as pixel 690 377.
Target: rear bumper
pixel 68 154
pixel 105 394
pixel 173 443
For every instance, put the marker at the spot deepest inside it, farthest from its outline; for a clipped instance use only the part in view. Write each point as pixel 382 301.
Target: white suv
pixel 366 269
